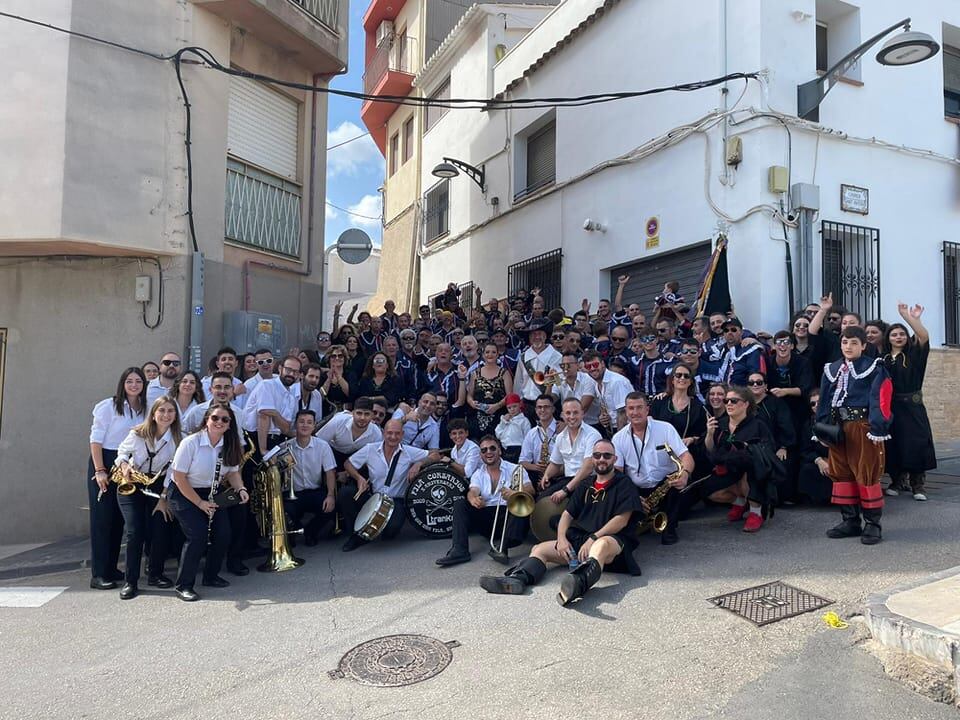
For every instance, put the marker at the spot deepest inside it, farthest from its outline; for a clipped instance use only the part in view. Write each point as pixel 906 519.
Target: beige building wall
pixel 397 263
pixel 94 173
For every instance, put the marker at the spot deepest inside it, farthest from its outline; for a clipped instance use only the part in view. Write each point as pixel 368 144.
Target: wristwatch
pixel 593 536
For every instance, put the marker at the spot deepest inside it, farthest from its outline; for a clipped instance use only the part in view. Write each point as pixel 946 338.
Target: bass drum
pixel 430 499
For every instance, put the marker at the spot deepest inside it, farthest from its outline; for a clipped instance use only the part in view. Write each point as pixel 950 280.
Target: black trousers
pixel 349 508
pixel 310 501
pixel 469 520
pixel 143 527
pixel 670 505
pixel 243 531
pixel 106 523
pixel 195 524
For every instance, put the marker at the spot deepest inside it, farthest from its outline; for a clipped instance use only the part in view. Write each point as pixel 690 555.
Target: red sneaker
pixel 737 512
pixel 753 523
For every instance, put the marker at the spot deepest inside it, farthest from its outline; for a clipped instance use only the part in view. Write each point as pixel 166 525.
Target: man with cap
pixel 739 357
pixel 538 357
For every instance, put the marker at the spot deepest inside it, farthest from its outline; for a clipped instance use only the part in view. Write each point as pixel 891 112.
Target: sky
pixel 354 170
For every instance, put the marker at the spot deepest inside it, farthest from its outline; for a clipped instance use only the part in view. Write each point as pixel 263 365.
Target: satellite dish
pixel 354 246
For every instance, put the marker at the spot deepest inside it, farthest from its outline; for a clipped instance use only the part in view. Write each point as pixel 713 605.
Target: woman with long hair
pixel 248 366
pixel 910 452
pixel 205 459
pixel 112 420
pixel 734 472
pixel 187 392
pixel 379 378
pixel 148 448
pixel 876 331
pixel 680 407
pixel 151 371
pixel 487 390
pixel 335 384
pixel 356 360
pixel 715 397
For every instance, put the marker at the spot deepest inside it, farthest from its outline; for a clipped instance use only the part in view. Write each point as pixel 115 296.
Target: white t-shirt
pixel 378 468
pixel 571 454
pixel 641 459
pixel 269 395
pixel 480 479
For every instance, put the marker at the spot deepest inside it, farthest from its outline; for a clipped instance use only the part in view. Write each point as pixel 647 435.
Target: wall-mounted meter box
pixel 245 331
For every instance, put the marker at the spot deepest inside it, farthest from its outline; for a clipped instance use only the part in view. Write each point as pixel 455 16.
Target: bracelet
pixel 593 536
pixel 100 470
pixel 566 490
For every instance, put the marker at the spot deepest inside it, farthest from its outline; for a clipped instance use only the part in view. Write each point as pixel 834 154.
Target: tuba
pixel 519 504
pixel 657 519
pixel 128 486
pixel 267 506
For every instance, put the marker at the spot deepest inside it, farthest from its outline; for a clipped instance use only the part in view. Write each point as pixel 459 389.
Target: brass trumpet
pixel 128 486
pixel 519 504
pixel 546 380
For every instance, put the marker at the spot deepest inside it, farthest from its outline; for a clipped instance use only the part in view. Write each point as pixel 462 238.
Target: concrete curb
pixel 911 636
pixel 17 573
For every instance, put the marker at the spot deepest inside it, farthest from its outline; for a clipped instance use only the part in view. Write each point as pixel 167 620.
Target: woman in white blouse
pixel 203 460
pixel 112 420
pixel 148 448
pixel 187 392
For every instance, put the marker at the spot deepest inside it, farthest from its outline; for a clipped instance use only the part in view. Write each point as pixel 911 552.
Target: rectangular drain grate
pixel 770 603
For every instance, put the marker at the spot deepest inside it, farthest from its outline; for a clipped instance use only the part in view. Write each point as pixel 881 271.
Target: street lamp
pixel 906 49
pixel 451 167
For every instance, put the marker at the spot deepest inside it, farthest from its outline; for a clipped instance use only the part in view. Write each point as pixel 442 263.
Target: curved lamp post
pixel 451 167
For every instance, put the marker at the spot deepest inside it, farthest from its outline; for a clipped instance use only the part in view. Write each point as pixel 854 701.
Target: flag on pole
pixel 714 294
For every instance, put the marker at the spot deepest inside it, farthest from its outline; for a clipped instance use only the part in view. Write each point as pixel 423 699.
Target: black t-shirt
pixel 592 511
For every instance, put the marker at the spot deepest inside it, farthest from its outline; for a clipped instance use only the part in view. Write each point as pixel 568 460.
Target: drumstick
pixel 357 496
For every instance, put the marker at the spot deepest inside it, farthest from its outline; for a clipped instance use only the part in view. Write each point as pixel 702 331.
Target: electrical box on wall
pixel 777 179
pixel 247 331
pixel 734 150
pixel 142 288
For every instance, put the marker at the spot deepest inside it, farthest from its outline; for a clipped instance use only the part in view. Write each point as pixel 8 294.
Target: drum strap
pixel 393 468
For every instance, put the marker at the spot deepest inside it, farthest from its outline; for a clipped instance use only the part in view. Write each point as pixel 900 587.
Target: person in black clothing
pixel 592 533
pixel 380 378
pixel 680 408
pixel 813 483
pixel 789 377
pixel 773 413
pixel 337 382
pixel 910 453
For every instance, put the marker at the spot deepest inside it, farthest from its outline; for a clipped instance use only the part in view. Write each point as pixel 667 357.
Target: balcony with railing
pixel 390 71
pixel 312 32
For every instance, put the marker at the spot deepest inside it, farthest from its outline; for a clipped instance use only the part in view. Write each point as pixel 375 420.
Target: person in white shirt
pixel 607 414
pixel 227 362
pixel 113 418
pixel 490 487
pixel 539 357
pixel 574 382
pixel 204 460
pixel 642 454
pixel 264 359
pixel 163 383
pixel 349 431
pixel 420 428
pixel 390 466
pixel 314 479
pixel 271 407
pixel 148 448
pixel 512 428
pixel 465 453
pixel 572 456
pixel 545 431
pixel 187 393
pixel 221 390
pixel 306 392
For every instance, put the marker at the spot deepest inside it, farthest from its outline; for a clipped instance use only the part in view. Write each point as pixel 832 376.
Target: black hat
pixel 732 321
pixel 542 324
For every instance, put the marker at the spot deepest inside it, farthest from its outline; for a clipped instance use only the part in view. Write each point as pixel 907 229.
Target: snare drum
pixel 373 516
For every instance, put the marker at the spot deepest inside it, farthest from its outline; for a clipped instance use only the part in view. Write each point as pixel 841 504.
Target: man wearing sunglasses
pixel 605 415
pixel 739 357
pixel 162 384
pixel 593 535
pixel 475 513
pixel 574 383
pixel 620 350
pixel 651 366
pixel 689 357
pixel 642 453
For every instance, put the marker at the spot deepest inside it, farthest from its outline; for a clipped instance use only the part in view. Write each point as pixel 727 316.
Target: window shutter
pixel 542 157
pixel 263 127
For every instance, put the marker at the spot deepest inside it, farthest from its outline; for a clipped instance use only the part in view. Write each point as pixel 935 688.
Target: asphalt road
pixel 647 647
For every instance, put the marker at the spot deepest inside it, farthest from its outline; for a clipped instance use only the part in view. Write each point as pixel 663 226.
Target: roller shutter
pixel 648 276
pixel 263 127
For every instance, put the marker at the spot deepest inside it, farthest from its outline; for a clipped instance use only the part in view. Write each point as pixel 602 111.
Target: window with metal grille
pixel 436 211
pixel 408 139
pixel 951 292
pixel 466 297
pixel 951 81
pixel 394 153
pixel 434 113
pixel 262 210
pixel 851 266
pixel 542 271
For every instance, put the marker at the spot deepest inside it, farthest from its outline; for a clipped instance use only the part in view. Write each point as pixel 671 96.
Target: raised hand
pixel 623 279
pixel 827 301
pixel 585 306
pixel 916 311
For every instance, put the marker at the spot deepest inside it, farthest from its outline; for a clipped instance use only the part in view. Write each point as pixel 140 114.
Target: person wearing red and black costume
pixel 856 393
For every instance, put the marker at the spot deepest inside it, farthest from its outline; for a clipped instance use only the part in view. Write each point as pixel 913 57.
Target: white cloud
pixel 369 208
pixel 331 214
pixel 349 159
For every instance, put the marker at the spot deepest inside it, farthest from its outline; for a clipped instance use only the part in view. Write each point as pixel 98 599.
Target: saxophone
pixel 128 486
pixel 657 519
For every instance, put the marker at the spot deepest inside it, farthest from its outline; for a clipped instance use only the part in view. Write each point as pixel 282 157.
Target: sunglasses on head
pixel 220 418
pixel 170 363
pixel 603 456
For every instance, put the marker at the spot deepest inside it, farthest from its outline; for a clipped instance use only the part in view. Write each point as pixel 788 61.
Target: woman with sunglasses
pixel 680 407
pixel 335 384
pixel 205 459
pixel 148 448
pixel 734 478
pixel 379 378
pixel 789 378
pixel 186 392
pixel 113 419
pixel 910 452
pixel 773 413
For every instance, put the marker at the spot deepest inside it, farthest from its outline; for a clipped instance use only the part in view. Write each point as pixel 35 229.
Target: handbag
pixel 829 433
pixel 226 498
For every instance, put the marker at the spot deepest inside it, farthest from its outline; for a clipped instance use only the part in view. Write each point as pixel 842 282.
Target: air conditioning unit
pixel 384 32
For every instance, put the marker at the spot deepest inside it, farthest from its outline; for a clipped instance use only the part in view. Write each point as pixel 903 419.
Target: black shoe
pixel 187 594
pixel 217 582
pixel 160 581
pixel 871 534
pixel 502 585
pixel 669 537
pixel 98 583
pixel 353 542
pixel 128 591
pixel 501 557
pixel 846 529
pixel 454 557
pixel 237 568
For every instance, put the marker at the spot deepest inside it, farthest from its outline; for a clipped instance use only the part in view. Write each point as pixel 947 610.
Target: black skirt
pixel 911 447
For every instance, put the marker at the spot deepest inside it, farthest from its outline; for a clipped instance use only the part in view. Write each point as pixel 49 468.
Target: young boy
pixel 670 295
pixel 856 393
pixel 512 428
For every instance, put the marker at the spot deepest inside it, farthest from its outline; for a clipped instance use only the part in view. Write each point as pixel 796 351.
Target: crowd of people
pixel 623 416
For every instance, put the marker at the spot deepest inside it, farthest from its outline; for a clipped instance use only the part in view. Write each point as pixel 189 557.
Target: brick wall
pixel 941 393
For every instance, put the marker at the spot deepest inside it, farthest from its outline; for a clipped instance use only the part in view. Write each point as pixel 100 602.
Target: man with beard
pixel 271 407
pixel 593 534
pixel 348 431
pixel 306 392
pixel 606 413
pixel 539 357
pixel 163 383
pixel 227 362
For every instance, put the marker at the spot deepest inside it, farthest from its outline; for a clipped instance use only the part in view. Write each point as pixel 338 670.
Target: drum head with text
pixel 430 499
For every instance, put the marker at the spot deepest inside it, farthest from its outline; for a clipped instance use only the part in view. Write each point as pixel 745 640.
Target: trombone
pixel 519 504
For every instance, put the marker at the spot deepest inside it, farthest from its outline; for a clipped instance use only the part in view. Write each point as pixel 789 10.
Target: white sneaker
pixel 891 492
pixel 919 496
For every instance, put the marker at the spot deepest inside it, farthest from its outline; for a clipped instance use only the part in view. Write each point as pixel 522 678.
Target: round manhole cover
pixel 395 660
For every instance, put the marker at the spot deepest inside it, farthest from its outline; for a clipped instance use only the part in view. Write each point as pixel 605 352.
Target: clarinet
pixel 214 482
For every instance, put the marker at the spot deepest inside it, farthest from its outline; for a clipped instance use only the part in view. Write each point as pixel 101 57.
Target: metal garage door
pixel 648 276
pixel 263 127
